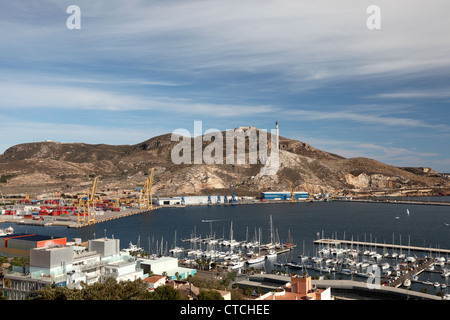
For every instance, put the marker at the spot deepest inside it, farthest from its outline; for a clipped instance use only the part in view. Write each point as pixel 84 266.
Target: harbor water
pixel 300 223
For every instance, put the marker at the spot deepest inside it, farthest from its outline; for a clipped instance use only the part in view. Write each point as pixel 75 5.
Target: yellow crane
pixel 92 201
pixel 81 205
pixel 86 204
pixel 292 198
pixel 310 196
pixel 145 195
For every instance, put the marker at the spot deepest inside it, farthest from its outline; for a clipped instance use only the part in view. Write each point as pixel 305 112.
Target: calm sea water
pixel 304 222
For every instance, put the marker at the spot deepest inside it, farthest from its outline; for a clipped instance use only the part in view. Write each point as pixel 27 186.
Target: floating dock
pixel 354 244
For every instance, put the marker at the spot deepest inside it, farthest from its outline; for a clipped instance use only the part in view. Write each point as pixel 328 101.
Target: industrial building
pixel 189 200
pixel 284 195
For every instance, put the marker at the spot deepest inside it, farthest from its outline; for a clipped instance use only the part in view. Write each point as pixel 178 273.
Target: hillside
pixel 46 167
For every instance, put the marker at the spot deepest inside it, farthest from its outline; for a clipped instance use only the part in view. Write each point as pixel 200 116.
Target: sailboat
pixel 272 253
pixel 232 242
pixel 407 212
pixel 258 258
pixel 176 249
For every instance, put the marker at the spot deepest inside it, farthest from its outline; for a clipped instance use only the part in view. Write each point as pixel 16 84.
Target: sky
pixel 137 69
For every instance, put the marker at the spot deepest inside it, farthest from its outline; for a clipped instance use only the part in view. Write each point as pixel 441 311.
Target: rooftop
pixel 153 278
pixel 31 236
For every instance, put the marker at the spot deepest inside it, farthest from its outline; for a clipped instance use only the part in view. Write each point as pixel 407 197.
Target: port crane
pixel 310 196
pixel 225 198
pixel 292 199
pixel 218 196
pixel 92 201
pixel 233 196
pixel 86 204
pixel 209 197
pixel 145 195
pixel 182 199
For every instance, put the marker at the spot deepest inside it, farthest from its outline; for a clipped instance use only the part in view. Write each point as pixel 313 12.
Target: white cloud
pixel 18 95
pixel 303 40
pixel 190 52
pixel 361 117
pixel 413 94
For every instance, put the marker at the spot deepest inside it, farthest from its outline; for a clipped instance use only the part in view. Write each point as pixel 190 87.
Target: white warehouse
pixel 191 200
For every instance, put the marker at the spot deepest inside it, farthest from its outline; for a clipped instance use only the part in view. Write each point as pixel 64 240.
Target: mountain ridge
pixel 46 167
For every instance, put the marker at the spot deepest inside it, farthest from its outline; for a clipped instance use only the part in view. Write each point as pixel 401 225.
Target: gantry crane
pixel 233 196
pixel 91 202
pixel 145 195
pixel 209 197
pixel 310 196
pixel 292 198
pixel 182 198
pixel 225 198
pixel 86 204
pixel 218 196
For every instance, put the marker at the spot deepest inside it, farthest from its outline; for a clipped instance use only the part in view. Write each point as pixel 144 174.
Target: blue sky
pixel 137 69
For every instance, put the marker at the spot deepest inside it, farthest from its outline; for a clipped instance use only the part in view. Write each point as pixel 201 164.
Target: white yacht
pixel 132 248
pixel 256 259
pixel 176 250
pixel 234 264
pixel 271 254
pixel 6 231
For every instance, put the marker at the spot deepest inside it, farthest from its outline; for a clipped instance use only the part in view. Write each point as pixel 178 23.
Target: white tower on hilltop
pixel 278 136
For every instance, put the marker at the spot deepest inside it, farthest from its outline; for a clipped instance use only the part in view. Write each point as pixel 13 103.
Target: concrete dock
pixel 72 221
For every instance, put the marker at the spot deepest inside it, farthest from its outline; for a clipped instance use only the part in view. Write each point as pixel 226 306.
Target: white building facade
pixel 68 266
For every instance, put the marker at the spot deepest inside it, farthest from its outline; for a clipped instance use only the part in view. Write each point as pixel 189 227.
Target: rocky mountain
pixel 47 167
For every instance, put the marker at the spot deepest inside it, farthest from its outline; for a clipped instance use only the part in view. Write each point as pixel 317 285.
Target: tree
pixel 209 295
pixel 248 291
pixel 166 293
pixel 53 292
pixel 108 290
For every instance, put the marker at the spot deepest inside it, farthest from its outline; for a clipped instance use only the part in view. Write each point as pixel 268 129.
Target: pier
pixel 413 270
pixel 72 221
pixel 334 242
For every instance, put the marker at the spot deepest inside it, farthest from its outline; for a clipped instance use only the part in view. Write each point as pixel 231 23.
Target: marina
pixel 227 235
